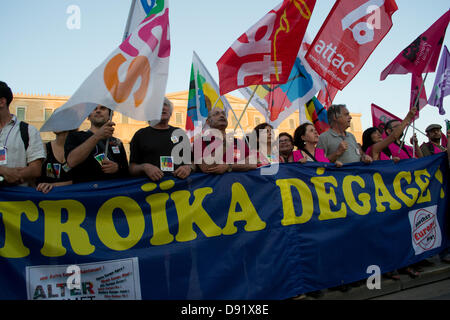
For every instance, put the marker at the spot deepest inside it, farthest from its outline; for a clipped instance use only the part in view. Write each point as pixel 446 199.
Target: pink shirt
pixel 383 156
pixel 402 155
pixel 319 154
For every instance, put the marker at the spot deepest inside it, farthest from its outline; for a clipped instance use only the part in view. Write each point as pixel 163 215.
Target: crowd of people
pixel 93 155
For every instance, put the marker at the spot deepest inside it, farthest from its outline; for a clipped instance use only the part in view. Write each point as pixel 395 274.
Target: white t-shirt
pixel 16 155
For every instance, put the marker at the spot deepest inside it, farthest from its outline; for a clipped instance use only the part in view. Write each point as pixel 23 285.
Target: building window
pixel 20 113
pixel 178 118
pixel 291 124
pixel 257 121
pixel 47 113
pixel 124 119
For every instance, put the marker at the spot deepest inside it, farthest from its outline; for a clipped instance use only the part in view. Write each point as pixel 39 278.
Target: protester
pixel 85 150
pixel 445 255
pixel 236 151
pixel 21 147
pixel 55 171
pixel 338 144
pixel 305 139
pixel 398 148
pixel 151 149
pixel 286 147
pixel 377 147
pixel 433 146
pixel 265 155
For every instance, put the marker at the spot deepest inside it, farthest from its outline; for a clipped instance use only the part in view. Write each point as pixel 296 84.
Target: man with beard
pixel 85 150
pixel 433 146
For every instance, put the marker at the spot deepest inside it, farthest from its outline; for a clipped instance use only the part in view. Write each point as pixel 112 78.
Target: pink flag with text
pixel 422 55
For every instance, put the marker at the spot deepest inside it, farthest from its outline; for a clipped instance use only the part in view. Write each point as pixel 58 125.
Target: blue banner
pixel 233 236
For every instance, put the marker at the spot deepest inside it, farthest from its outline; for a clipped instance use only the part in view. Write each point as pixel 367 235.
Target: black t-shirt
pixel 150 145
pixel 90 169
pixel 53 170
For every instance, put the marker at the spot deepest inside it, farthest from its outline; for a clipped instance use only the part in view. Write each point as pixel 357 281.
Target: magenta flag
pixel 380 117
pixel 422 55
pixel 441 86
pixel 416 86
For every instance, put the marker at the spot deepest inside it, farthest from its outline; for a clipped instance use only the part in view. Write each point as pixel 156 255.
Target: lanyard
pixel 7 136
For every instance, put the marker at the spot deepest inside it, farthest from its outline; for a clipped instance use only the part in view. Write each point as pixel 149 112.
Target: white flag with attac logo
pixel 132 80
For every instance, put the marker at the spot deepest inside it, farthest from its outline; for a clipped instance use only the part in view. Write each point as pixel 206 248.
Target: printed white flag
pixel 132 80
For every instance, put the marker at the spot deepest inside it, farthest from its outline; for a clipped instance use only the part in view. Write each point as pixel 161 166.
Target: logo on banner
pixel 425 230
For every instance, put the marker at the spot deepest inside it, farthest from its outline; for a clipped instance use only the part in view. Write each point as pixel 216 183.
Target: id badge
pixel 100 158
pixel 57 170
pixel 174 139
pixel 166 164
pixel 3 156
pixel 115 149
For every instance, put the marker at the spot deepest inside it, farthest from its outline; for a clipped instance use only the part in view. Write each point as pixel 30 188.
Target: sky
pixel 41 55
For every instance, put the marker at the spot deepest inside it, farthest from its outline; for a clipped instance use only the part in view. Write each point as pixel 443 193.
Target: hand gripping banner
pixel 231 236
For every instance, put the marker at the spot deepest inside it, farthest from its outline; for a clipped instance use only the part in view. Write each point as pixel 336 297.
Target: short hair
pixel 168 103
pixel 334 111
pixel 298 133
pixel 389 124
pixel 287 135
pixel 5 92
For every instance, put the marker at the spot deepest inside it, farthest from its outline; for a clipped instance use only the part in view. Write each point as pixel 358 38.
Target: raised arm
pixel 378 147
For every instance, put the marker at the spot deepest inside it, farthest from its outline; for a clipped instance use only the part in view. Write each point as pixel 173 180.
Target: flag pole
pixel 246 106
pixel 125 35
pixel 234 114
pixel 130 14
pixel 414 121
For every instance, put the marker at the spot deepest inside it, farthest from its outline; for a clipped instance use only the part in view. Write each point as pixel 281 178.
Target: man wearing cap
pixel 433 146
pixel 21 147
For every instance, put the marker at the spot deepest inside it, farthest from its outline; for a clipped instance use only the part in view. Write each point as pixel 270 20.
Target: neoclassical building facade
pixel 36 109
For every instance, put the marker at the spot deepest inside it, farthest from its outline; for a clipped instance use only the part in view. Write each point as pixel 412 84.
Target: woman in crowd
pixel 286 146
pixel 55 171
pixel 305 139
pixel 377 147
pixel 266 154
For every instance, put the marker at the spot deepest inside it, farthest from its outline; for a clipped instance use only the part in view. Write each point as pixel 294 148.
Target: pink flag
pixel 380 117
pixel 422 55
pixel 416 86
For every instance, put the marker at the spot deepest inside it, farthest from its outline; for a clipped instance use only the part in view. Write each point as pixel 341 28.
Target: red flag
pixel 266 53
pixel 327 95
pixel 422 55
pixel 380 117
pixel 352 30
pixel 417 85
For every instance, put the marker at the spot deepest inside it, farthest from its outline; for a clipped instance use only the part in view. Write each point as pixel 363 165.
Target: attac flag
pixel 203 95
pixel 441 86
pixel 317 115
pixel 416 86
pixel 132 80
pixel 266 53
pixel 380 117
pixel 351 32
pixel 422 55
pixel 278 101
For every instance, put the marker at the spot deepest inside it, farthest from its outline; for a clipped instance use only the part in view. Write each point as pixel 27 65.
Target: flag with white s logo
pixel 351 32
